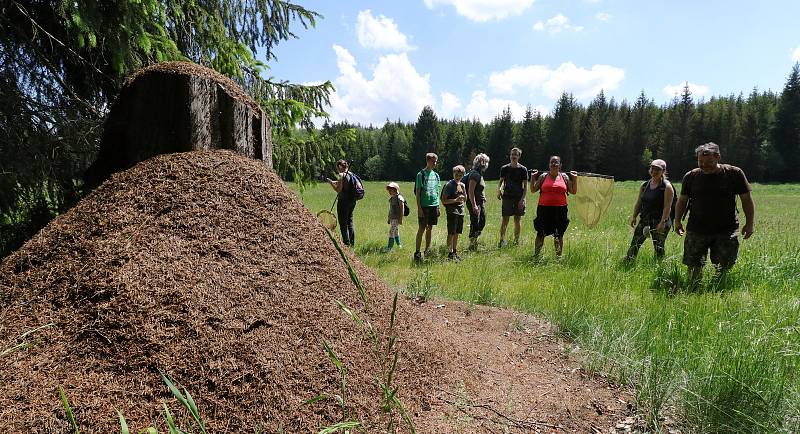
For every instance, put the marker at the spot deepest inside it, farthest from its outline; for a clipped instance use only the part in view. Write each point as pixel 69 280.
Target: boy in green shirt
pixel 426 189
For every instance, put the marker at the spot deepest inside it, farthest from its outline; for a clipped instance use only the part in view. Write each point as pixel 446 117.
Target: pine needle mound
pixel 202 265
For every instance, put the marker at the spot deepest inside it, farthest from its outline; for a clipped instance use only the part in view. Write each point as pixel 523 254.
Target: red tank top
pixel 553 191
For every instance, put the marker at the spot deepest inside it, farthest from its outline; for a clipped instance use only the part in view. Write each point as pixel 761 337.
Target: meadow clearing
pixel 720 359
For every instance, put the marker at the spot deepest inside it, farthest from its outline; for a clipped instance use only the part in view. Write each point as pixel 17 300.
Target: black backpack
pixel 406 209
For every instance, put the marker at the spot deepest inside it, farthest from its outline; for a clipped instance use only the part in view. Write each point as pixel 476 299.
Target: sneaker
pixel 417 257
pixel 399 246
pixel 473 244
pixel 451 256
pixel 502 244
pixel 456 258
pixel 427 254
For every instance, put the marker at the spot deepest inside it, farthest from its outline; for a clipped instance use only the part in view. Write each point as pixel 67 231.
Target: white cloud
pixel 796 54
pixel 581 82
pixel 603 16
pixel 697 90
pixel 484 10
pixel 396 90
pixel 450 104
pixel 486 109
pixel 556 24
pixel 380 33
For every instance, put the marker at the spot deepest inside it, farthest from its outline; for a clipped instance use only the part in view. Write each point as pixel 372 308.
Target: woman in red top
pixel 551 213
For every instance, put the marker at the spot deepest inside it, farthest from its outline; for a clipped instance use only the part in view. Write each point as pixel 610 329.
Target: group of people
pixel 468 190
pixel 708 196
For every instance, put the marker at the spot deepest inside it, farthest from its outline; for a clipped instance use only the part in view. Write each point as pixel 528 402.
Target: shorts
pixel 724 249
pixel 551 220
pixel 429 216
pixel 455 224
pixel 511 207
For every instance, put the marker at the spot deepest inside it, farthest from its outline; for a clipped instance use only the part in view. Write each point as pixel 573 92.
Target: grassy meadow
pixel 720 359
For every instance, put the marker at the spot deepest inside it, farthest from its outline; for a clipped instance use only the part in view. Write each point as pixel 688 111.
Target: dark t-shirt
pixel 452 190
pixel 512 180
pixel 479 186
pixel 712 199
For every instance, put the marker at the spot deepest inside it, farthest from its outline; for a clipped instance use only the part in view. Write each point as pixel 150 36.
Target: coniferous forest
pixel 758 131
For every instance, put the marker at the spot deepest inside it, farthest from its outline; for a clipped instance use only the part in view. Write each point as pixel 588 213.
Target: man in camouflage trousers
pixel 710 192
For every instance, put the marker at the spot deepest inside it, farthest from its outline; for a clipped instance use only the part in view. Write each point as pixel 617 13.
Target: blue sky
pixel 472 58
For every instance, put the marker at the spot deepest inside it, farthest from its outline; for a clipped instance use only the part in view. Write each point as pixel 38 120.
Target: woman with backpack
pixel 551 212
pixel 349 189
pixel 654 206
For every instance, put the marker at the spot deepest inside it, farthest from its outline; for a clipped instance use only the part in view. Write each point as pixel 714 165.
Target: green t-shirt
pixel 427 184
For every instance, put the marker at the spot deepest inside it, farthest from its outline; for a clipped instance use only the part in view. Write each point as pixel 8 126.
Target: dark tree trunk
pixel 176 107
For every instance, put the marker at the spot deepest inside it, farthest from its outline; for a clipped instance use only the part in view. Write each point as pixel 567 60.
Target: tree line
pixel 759 132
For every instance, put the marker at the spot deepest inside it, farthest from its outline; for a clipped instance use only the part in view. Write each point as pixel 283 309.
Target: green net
pixel 593 197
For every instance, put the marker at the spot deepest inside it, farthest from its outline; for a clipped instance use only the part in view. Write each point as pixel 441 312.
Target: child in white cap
pixel 397 206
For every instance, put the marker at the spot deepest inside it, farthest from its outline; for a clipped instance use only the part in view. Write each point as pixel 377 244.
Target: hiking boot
pixel 417 257
pixel 427 254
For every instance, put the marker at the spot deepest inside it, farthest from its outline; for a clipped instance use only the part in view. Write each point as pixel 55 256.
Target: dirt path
pixel 516 377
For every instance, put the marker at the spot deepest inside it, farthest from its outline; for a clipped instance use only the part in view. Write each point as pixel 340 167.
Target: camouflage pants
pixel 639 237
pixel 724 249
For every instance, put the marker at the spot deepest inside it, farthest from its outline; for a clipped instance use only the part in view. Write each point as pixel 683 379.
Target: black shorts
pixel 511 207
pixel 455 224
pixel 551 220
pixel 429 216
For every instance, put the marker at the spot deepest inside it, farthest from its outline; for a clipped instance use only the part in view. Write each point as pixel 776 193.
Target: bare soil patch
pixel 203 265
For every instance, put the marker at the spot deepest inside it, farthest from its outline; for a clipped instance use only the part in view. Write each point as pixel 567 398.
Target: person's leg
pixel 517 227
pixel 636 241
pixel 724 252
pixel 428 239
pixel 694 276
pixel 344 213
pixel 537 250
pixel 558 243
pixel 351 227
pixel 341 215
pixel 659 239
pixel 420 232
pixel 695 249
pixel 503 227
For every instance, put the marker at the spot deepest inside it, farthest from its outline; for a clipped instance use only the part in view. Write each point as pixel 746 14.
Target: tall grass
pixel 721 359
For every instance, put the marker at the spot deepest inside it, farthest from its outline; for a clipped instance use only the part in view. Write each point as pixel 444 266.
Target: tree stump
pixel 176 107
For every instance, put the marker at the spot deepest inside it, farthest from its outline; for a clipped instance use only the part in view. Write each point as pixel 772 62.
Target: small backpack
pixel 356 187
pixel 406 209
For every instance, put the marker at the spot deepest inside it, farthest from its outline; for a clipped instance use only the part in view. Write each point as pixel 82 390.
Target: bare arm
pixel 538 183
pixel 524 191
pixel 680 209
pixel 473 205
pixel 669 193
pixel 636 208
pixel 338 183
pixel 572 182
pixel 749 208
pixel 500 187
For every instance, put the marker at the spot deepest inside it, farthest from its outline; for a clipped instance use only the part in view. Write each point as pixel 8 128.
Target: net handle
pixel 595 175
